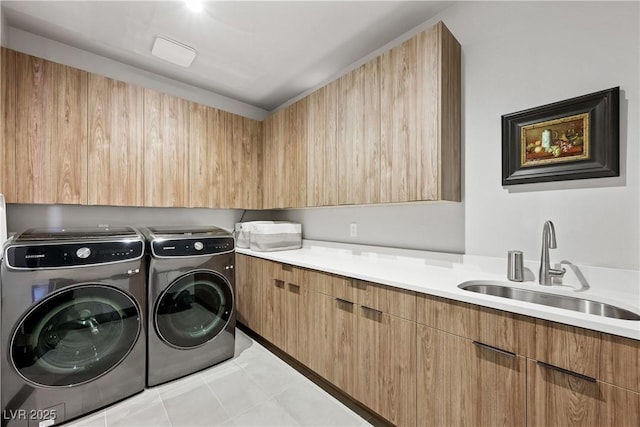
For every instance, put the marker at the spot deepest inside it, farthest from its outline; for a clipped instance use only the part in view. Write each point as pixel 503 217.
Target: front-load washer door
pixel 194 309
pixel 75 335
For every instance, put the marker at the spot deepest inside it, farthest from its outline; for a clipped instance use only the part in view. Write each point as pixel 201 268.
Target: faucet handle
pixel 557 272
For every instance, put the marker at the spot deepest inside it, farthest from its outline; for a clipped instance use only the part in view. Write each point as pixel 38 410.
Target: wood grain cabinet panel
pixel 386 365
pixel 500 329
pixel 558 398
pixel 8 125
pixel 166 142
pixel 51 132
pixel 322 155
pixel 420 118
pixel 358 137
pixel 115 158
pixel 285 157
pixel 463 384
pixel 609 358
pixel 207 156
pixel 243 163
pixel 397 302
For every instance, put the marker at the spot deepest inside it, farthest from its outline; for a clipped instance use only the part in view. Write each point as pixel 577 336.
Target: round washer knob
pixel 198 246
pixel 83 252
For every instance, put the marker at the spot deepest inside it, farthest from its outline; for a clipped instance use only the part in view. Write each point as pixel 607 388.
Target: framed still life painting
pixel 573 139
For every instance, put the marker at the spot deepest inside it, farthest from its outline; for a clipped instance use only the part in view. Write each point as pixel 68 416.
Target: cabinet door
pixel 420 114
pixel 8 126
pixel 315 332
pixel 166 154
pixel 557 398
pixel 115 158
pixel 358 140
pixel 386 365
pixel 322 155
pixel 274 162
pixel 462 383
pixel 243 290
pixel 285 157
pixel 243 163
pixel 207 170
pixel 51 145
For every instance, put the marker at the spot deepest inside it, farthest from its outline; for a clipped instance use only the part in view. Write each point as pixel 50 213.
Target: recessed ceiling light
pixel 194 5
pixel 173 51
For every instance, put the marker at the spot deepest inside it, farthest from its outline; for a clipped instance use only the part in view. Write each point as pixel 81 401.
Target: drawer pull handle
pixel 278 283
pixel 344 301
pixel 496 349
pixel 287 267
pixel 373 310
pixel 293 285
pixel 566 371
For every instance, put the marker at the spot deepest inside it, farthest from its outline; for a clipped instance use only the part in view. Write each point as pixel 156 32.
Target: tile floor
pixel 255 388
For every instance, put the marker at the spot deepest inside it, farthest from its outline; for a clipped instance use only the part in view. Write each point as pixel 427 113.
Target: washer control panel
pixel 192 247
pixel 72 254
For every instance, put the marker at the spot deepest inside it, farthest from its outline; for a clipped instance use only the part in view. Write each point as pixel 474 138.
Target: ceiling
pixel 262 53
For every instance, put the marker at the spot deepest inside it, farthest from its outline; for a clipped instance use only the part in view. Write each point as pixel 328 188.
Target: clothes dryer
pixel 73 332
pixel 191 293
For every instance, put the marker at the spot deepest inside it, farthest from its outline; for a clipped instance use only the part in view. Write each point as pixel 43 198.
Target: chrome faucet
pixel 548 242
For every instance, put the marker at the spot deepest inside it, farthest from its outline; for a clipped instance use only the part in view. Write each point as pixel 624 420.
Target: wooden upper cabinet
pixel 420 118
pixel 274 161
pixel 51 132
pixel 285 157
pixel 322 154
pixel 8 126
pixel 243 163
pixel 207 143
pixel 166 154
pixel 358 135
pixel 115 156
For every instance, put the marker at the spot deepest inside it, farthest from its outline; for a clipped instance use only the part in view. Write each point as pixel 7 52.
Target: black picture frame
pixel 592 149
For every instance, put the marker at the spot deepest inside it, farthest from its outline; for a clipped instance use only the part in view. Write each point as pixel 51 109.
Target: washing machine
pixel 73 330
pixel 191 294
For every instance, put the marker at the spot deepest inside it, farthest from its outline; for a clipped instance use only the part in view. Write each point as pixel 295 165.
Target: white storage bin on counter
pixel 277 236
pixel 243 232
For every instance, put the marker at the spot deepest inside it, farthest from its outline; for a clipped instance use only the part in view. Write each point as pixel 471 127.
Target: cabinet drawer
pixel 398 302
pixel 327 283
pixel 503 330
pixel 557 398
pixel 609 358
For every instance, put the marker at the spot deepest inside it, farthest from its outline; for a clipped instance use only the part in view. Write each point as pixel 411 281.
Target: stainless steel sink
pixel 560 301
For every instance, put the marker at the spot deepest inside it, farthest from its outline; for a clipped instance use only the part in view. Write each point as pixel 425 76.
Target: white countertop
pixel 439 274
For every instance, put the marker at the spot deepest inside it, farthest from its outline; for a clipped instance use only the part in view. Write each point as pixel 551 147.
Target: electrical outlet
pixel 353 229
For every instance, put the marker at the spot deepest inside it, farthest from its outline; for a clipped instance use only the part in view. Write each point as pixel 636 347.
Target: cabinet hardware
pixel 373 310
pixel 496 349
pixel 293 285
pixel 343 301
pixel 287 267
pixel 566 371
pixel 279 283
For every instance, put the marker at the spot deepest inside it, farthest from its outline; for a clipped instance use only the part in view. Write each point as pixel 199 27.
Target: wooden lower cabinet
pixel 468 366
pixel 328 338
pixel 460 383
pixel 557 398
pixel 386 365
pixel 255 295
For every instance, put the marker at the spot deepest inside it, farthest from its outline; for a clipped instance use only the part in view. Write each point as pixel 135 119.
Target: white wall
pixel 32 44
pixel 518 55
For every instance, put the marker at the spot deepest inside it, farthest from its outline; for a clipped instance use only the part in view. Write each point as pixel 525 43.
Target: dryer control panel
pixel 191 247
pixel 72 254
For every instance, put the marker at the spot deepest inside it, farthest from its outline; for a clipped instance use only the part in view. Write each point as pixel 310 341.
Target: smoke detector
pixel 173 51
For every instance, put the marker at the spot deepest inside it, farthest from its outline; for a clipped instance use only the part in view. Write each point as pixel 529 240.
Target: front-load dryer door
pixel 194 309
pixel 75 335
